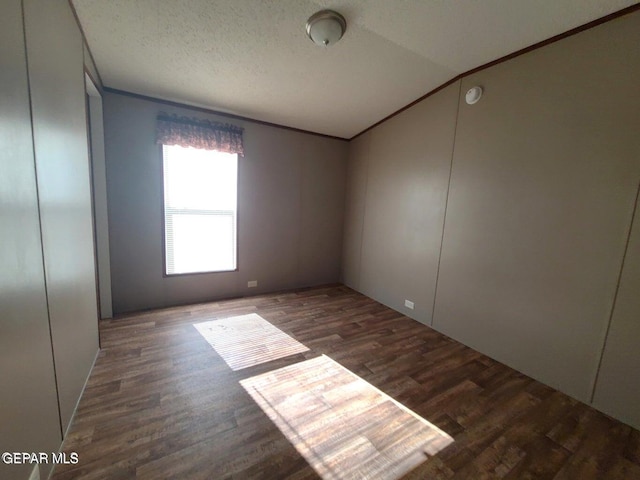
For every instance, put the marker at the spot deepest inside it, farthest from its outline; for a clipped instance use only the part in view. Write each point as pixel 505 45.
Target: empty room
pixel 298 239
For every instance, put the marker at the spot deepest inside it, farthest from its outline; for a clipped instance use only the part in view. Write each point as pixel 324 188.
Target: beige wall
pixel 397 195
pixel 544 178
pixel 48 324
pixel 290 204
pixel 355 197
pixel 543 182
pixel 99 184
pixel 617 390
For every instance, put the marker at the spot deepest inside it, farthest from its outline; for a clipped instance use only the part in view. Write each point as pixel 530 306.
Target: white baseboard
pixel 35 473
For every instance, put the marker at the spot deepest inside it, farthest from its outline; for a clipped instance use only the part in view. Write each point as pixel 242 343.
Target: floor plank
pixel 161 403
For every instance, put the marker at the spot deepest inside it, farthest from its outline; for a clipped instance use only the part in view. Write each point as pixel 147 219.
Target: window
pixel 200 210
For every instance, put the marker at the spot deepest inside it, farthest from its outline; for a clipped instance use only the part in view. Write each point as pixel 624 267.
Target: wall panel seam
pixel 615 295
pixel 364 207
pixel 446 205
pixel 35 168
pixel 299 220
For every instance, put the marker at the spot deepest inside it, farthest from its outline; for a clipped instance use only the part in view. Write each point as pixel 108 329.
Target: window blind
pixel 200 210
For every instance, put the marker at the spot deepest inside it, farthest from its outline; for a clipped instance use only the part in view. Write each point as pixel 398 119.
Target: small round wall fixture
pixel 326 27
pixel 473 95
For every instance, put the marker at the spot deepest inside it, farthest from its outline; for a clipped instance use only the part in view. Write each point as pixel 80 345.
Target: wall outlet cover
pixel 409 304
pixel 252 283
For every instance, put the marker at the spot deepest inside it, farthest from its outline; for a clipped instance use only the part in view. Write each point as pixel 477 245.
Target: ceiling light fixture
pixel 326 27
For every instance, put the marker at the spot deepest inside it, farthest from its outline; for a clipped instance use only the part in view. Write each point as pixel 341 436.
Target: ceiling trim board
pixel 210 111
pixel 85 43
pixel 535 46
pixel 88 74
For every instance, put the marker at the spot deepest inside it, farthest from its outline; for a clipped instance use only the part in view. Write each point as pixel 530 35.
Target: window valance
pixel 197 133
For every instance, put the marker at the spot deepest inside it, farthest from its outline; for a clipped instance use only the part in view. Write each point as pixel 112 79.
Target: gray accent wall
pixel 544 173
pixel 290 209
pixel 48 318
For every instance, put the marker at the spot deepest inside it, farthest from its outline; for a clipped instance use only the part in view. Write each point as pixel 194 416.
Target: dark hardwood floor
pixel 161 403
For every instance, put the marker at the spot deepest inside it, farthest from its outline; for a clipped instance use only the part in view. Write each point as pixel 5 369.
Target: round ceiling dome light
pixel 326 27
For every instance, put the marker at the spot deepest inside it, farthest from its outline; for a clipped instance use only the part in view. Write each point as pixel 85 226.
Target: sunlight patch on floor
pixel 247 340
pixel 341 424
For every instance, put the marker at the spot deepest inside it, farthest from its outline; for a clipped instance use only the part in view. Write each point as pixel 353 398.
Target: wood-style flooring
pixel 161 403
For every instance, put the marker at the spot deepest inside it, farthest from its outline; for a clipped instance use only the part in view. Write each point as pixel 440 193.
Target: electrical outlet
pixel 409 304
pixel 252 283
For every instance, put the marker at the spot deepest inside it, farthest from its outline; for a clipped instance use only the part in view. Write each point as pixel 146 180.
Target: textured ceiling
pixel 252 57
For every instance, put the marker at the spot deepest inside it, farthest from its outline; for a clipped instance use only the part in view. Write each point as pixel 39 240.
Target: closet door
pixel 56 75
pixel 29 419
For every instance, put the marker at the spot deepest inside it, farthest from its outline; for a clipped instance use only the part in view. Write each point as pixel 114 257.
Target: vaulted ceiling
pixel 253 58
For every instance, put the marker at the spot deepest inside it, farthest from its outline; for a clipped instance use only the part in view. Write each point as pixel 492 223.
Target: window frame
pixel 163 224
